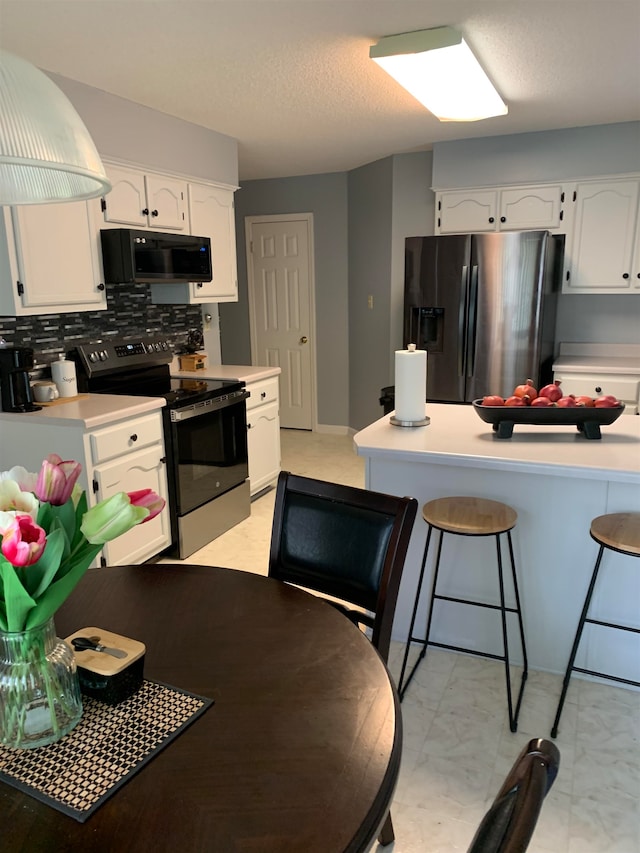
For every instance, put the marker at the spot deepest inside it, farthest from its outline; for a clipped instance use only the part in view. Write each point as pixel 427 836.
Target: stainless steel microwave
pixel 153 256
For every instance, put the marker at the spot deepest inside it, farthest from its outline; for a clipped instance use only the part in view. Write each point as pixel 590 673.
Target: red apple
pixel 492 400
pixel 552 391
pixel 541 402
pixel 566 402
pixel 606 402
pixel 516 401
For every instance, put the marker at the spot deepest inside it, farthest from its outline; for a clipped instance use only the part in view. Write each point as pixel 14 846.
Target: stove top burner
pixel 141 369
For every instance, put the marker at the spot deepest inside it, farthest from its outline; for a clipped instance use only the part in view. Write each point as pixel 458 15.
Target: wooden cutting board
pixel 60 400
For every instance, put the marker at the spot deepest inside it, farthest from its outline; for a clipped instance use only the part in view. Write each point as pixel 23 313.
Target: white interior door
pixel 280 281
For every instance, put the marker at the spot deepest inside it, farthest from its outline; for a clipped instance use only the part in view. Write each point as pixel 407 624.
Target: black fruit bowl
pixel 587 419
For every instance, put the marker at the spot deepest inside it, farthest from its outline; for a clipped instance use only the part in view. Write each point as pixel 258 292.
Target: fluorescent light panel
pixel 438 68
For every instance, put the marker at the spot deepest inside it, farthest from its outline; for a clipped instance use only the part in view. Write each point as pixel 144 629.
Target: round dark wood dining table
pixel 299 753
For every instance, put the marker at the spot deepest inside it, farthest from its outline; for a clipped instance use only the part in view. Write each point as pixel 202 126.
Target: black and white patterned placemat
pixel 107 747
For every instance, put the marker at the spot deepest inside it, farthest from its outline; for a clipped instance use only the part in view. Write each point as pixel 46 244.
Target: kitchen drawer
pixel 125 437
pixel 625 388
pixel 263 392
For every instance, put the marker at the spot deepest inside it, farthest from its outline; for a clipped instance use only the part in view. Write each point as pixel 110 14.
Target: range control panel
pixel 116 354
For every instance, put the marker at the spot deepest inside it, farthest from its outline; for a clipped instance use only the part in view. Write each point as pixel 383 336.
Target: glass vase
pixel 39 689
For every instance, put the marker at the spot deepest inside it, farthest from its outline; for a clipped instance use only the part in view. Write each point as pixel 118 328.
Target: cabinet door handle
pixel 154 212
pixel 248 426
pixel 598 389
pixel 133 437
pixel 101 286
pixel 145 212
pixel 303 339
pixel 492 219
pixel 503 219
pixel 263 394
pixel 198 284
pixel 163 459
pixel 625 275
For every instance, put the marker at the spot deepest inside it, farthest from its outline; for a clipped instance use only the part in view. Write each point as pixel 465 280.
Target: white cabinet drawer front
pixel 125 437
pixel 624 388
pixel 262 392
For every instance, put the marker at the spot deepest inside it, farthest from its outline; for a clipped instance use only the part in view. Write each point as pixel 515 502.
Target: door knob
pixel 303 339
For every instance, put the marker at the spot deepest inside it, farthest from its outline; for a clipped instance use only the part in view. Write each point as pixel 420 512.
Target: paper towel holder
pixel 423 422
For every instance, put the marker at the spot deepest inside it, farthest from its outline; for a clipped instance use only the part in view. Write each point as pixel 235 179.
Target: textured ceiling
pixel 292 82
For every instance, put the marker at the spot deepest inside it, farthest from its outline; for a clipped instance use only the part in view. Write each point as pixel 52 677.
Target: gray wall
pixel 551 155
pixel 325 196
pixel 555 155
pixel 125 130
pixel 370 223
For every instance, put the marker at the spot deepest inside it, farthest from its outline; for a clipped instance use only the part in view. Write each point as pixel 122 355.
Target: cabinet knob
pixel 145 212
pixel 101 286
pixel 154 212
pixel 303 339
pixel 198 284
pixel 625 275
pixel 133 437
pixel 503 219
pixel 248 426
pixel 598 389
pixel 492 219
pixel 263 394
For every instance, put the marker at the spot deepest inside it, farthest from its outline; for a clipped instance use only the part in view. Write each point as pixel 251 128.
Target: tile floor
pixel 457 744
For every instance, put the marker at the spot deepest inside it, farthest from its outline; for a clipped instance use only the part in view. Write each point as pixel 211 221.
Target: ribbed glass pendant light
pixel 46 152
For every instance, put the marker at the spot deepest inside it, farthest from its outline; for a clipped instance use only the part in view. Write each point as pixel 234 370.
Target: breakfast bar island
pixel 558 481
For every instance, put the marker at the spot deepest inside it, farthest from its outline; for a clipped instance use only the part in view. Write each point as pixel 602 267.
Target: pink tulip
pixel 23 541
pixel 148 499
pixel 56 480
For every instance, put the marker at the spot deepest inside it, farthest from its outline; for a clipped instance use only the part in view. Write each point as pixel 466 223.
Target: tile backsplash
pixel 130 313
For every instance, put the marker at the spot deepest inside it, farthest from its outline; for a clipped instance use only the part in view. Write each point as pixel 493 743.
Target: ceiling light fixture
pixel 46 152
pixel 438 68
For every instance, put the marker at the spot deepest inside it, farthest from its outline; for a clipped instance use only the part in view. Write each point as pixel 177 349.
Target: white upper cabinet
pixel 468 211
pixel 50 259
pixel 145 200
pixel 500 209
pixel 211 214
pixel 604 252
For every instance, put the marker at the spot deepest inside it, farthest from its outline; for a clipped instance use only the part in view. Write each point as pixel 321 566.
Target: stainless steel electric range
pixel 205 431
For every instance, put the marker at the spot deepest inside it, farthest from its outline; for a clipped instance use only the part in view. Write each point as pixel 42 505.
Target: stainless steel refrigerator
pixel 484 308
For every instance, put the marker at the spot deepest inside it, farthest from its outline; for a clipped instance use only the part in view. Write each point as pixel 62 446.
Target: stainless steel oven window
pixel 208 451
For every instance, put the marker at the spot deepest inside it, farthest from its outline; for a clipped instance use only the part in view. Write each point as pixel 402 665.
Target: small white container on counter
pixel 63 373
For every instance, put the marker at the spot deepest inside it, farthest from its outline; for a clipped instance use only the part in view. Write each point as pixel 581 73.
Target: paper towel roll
pixel 411 384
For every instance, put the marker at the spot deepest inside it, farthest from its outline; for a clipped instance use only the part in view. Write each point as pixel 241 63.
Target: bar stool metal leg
pixel 513 716
pixel 402 686
pixel 576 642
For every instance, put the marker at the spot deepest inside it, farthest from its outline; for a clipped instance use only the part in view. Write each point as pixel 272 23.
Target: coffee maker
pixel 15 388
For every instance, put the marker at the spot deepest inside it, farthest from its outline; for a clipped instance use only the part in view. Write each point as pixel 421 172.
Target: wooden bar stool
pixel 468 516
pixel 619 531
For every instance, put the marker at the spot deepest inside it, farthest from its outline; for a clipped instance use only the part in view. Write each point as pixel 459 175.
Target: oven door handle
pixel 208 406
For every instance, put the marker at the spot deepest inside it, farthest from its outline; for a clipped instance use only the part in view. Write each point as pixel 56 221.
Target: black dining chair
pixel 510 822
pixel 343 542
pixel 346 543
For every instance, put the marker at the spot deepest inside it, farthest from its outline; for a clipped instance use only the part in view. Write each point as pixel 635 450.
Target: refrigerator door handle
pixel 462 313
pixel 472 327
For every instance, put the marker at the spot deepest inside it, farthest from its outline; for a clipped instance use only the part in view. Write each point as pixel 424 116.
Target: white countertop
pixel 237 372
pixel 92 410
pixel 456 435
pixel 598 358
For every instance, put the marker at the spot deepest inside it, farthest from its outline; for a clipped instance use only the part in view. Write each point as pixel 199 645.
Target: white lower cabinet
pixel 595 384
pixel 126 455
pixel 263 433
pixel 140 470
